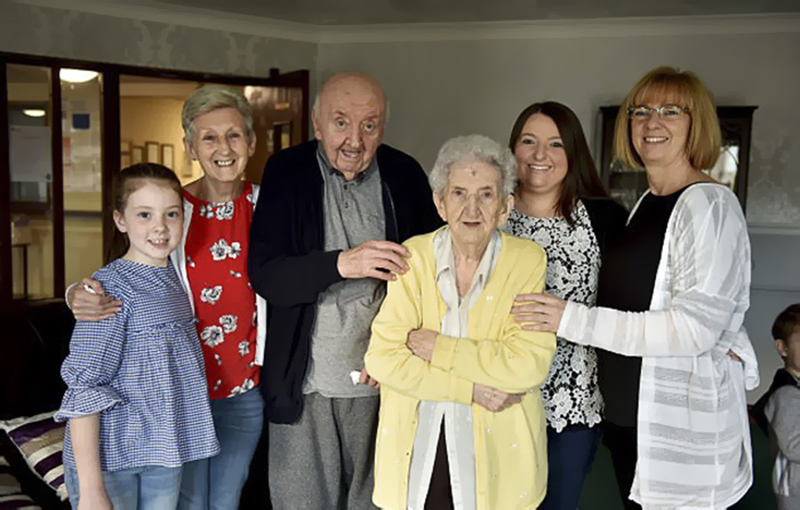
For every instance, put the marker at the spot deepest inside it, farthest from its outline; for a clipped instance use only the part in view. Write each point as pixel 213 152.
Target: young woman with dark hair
pixel 561 204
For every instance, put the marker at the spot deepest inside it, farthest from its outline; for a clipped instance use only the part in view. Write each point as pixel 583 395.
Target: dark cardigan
pixel 288 266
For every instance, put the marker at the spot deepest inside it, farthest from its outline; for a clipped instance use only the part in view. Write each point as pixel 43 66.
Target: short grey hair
pixel 467 149
pixel 213 97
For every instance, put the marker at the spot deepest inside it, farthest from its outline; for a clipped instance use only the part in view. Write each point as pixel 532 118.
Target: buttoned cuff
pixel 86 401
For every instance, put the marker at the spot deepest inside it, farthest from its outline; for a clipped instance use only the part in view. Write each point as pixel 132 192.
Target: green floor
pixel 600 491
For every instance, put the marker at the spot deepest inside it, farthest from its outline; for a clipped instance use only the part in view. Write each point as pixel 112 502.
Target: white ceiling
pixel 368 12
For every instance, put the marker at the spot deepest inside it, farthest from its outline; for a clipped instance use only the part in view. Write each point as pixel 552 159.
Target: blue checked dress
pixel 142 370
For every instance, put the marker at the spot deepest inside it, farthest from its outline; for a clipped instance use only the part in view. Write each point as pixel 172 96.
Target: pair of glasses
pixel 669 112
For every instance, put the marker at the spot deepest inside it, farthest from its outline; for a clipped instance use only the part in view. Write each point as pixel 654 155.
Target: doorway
pixel 71 125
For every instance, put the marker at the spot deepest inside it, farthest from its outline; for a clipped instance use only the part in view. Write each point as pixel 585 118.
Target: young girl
pixel 136 401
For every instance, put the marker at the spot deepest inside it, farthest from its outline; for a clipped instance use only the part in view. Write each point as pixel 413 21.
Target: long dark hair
pixel 581 179
pixel 126 182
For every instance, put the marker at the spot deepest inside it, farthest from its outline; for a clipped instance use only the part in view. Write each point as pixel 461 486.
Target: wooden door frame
pixel 110 141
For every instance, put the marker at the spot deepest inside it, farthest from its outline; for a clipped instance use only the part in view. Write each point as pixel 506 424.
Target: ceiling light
pixel 34 112
pixel 77 75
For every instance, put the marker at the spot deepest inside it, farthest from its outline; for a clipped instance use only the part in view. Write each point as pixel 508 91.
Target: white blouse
pixel 459 436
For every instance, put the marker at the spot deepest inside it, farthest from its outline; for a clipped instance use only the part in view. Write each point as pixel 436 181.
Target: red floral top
pixel 224 302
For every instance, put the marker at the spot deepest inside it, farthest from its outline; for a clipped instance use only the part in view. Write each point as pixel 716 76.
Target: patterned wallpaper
pixel 774 189
pixel 63 33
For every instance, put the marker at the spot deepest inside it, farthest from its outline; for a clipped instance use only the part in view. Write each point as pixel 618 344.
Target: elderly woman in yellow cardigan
pixel 461 419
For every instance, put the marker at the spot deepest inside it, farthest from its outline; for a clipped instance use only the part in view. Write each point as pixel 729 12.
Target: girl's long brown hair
pixel 126 182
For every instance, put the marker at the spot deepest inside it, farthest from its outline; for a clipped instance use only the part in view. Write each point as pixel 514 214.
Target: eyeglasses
pixel 668 113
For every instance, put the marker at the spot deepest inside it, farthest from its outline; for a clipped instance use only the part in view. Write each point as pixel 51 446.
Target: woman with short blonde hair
pixel 679 87
pixel 674 357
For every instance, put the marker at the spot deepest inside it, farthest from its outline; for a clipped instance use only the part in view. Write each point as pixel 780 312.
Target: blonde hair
pixel 214 97
pixel 705 138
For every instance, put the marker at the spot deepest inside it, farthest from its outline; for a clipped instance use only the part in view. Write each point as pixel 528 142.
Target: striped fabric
pixel 11 496
pixel 694 448
pixel 39 439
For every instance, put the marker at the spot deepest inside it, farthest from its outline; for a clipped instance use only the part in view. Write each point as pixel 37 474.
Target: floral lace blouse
pixel 225 304
pixel 571 395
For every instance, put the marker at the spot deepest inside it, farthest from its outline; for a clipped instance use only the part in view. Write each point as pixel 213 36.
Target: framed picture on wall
pixel 168 156
pixel 137 154
pixel 187 169
pixel 270 140
pixel 151 152
pixel 125 160
pixel 125 146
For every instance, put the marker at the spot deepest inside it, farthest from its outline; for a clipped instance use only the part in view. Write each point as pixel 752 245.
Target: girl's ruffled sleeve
pixel 95 356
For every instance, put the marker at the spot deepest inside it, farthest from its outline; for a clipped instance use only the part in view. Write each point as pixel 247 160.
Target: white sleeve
pixel 709 269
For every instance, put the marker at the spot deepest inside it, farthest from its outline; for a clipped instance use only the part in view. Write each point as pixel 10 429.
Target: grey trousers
pixel 325 460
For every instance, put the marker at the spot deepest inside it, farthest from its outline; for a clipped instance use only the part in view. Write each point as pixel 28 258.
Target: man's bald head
pixel 350 81
pixel 349 115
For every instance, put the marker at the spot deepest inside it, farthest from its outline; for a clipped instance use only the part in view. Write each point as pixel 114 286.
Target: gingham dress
pixel 142 370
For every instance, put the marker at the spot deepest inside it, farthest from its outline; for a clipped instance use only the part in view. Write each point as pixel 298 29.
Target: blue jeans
pixel 216 483
pixel 570 454
pixel 144 488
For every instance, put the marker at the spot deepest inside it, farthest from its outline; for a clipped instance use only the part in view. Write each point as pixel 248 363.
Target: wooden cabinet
pixel 627 185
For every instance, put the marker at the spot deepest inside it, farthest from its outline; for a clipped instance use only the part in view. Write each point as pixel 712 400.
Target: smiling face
pixel 220 145
pixel 541 159
pixel 471 203
pixel 349 122
pixel 153 220
pixel 661 142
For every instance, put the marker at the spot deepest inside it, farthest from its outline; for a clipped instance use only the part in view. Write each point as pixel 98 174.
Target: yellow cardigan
pixel 510 446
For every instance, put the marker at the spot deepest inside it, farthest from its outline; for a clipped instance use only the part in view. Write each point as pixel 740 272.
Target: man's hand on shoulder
pixel 383 260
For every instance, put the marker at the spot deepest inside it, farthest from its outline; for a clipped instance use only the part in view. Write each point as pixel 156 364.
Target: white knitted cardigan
pixel 693 434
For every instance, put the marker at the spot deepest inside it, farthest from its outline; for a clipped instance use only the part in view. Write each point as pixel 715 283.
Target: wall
pixel 31 29
pixel 156 119
pixel 776 285
pixel 447 88
pixel 457 81
pixel 442 88
pixel 141 39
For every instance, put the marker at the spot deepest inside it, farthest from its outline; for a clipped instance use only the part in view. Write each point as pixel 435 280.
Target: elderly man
pixel 323 243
